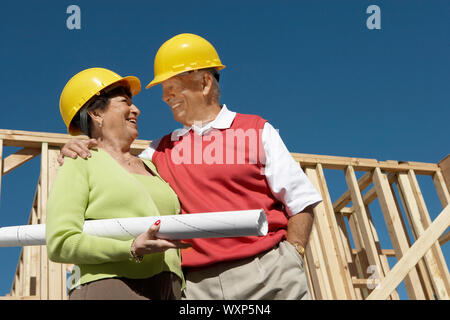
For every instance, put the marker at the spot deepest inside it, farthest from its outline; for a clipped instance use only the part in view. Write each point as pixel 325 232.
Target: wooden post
pixel 362 219
pixel 444 164
pixel 56 277
pixel 35 260
pixel 441 188
pixel 42 208
pixel 383 259
pixel 412 256
pixel 348 252
pixel 420 221
pixel 396 231
pixel 421 266
pixel 337 272
pixel 343 270
pixel 317 267
pixel 1 164
pixel 360 259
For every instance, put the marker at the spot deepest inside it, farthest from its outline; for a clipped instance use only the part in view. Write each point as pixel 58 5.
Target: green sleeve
pixel 68 200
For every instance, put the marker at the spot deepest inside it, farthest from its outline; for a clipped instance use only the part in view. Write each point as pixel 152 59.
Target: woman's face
pixel 120 119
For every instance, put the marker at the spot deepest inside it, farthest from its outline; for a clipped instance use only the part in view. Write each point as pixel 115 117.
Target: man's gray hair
pixel 215 95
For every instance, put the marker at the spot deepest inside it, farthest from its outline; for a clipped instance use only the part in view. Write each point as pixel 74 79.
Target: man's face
pixel 185 98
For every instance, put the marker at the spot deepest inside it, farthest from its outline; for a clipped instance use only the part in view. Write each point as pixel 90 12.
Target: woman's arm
pixel 66 206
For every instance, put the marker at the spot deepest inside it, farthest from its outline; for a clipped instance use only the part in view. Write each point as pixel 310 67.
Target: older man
pixel 223 161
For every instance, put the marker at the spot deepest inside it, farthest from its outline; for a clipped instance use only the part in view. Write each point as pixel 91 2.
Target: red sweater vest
pixel 221 171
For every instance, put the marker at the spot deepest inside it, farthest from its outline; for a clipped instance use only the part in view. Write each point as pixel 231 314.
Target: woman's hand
pixel 75 148
pixel 147 242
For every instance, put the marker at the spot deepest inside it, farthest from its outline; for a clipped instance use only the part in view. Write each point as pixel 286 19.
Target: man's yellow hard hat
pixel 184 52
pixel 86 84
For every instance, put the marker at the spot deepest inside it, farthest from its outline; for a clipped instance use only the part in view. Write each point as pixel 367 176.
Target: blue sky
pixel 312 68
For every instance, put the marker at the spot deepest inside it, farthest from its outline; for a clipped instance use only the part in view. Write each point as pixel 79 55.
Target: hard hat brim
pixel 163 77
pixel 134 84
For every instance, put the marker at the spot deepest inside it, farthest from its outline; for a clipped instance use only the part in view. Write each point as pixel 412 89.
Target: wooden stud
pixel 341 163
pixel 421 267
pixel 360 255
pixel 308 277
pixel 42 216
pixel 383 259
pixel 327 236
pixel 444 238
pixel 56 278
pixel 333 229
pixel 441 188
pixel 317 266
pixel 396 232
pixel 412 256
pixel 362 219
pixel 345 199
pixel 420 220
pixel 29 139
pixel 444 165
pixel 1 164
pixel 348 252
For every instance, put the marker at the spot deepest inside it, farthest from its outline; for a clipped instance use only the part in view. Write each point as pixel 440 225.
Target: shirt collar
pixel 223 121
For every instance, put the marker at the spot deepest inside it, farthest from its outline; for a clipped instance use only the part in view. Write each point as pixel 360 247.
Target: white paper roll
pixel 183 226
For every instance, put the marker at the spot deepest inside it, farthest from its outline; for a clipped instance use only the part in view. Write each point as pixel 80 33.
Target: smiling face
pixel 118 120
pixel 185 98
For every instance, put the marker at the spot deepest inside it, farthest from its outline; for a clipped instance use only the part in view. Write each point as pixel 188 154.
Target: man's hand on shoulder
pixel 75 148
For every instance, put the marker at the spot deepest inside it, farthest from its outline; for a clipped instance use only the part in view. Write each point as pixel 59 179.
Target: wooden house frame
pixel 343 250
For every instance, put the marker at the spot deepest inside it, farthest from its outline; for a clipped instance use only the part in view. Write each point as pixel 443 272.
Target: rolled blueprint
pixel 173 227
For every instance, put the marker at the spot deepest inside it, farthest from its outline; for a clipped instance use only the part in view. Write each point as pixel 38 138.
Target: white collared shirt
pixel 285 177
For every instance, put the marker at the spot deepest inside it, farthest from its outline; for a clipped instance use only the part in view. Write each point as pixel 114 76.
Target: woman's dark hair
pixel 83 121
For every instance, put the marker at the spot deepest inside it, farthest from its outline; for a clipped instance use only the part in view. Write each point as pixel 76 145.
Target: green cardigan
pixel 100 188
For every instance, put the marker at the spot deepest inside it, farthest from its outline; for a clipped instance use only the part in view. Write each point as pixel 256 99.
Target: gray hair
pixel 197 76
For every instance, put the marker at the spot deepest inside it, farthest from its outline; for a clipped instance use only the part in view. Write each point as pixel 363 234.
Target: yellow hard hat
pixel 184 52
pixel 86 84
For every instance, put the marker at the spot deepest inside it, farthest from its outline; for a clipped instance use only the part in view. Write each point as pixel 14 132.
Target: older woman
pixel 112 183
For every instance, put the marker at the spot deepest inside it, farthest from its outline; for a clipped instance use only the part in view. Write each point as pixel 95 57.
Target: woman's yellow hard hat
pixel 86 84
pixel 184 52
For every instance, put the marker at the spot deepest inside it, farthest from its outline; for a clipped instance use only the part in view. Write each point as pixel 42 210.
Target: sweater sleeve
pixel 66 206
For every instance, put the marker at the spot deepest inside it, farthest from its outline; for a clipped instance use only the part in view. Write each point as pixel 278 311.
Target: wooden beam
pixel 345 199
pixel 412 256
pixel 1 164
pixel 444 164
pixel 421 266
pixel 317 266
pixel 364 283
pixel 15 160
pixel 19 298
pixel 42 209
pixel 362 164
pixel 383 259
pixel 396 232
pixel 362 219
pixel 329 232
pixel 386 252
pixel 56 278
pixel 441 188
pixel 349 257
pixel 30 139
pixel 444 238
pixel 420 220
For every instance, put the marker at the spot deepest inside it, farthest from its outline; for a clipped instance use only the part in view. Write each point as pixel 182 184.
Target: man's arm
pixel 75 148
pixel 299 227
pixel 290 186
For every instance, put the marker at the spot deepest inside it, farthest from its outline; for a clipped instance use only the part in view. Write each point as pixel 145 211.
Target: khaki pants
pixel 277 274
